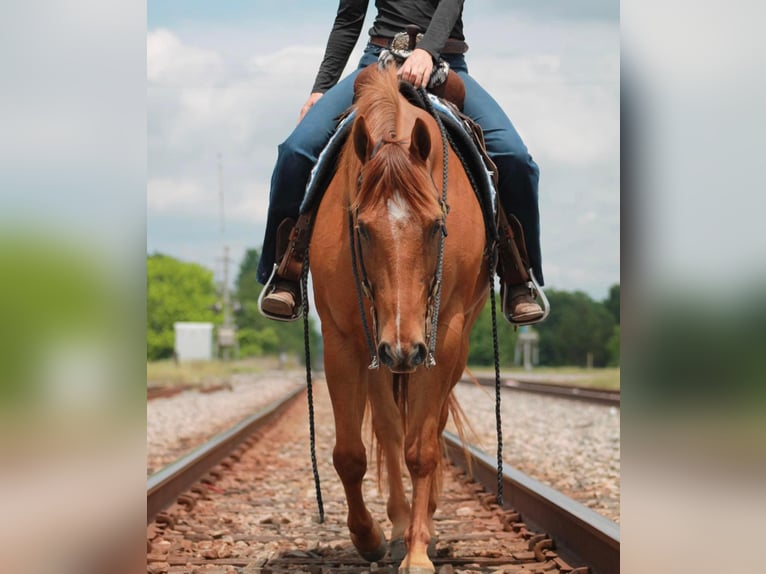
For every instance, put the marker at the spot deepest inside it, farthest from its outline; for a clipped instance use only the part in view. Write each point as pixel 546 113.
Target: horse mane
pixel 391 169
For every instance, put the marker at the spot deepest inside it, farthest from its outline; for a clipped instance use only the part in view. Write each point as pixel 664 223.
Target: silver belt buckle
pixel 401 42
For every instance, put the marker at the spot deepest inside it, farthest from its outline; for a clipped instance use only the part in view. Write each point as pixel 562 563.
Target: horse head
pixel 398 225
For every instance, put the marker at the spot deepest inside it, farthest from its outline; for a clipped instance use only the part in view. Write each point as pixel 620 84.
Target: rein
pixel 435 301
pixel 363 289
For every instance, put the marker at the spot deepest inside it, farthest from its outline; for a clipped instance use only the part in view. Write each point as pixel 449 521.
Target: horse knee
pixel 351 464
pixel 421 459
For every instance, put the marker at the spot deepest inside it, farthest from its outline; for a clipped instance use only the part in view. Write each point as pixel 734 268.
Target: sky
pixel 228 77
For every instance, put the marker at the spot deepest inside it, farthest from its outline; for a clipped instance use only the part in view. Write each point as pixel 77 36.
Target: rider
pixel 442 22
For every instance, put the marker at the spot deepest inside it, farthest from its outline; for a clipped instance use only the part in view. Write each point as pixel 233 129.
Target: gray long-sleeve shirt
pixel 441 19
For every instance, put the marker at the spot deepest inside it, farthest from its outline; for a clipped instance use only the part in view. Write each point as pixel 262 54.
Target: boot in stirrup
pixel 519 304
pixel 281 296
pixel 518 287
pixel 282 302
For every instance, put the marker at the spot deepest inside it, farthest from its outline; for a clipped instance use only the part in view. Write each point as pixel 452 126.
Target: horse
pixel 380 226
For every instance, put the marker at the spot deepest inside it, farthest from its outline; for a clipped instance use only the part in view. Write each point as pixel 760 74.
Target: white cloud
pixel 179 196
pixel 251 205
pixel 294 61
pixel 559 84
pixel 172 63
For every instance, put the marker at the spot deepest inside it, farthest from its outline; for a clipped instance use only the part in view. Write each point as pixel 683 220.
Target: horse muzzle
pixel 402 359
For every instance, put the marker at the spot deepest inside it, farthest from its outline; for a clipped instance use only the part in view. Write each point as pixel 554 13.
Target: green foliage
pixel 612 302
pixel 259 335
pixel 247 286
pixel 175 291
pixel 613 347
pixel 576 326
pixel 696 351
pixel 55 295
pixel 481 350
pixel 178 291
pixel 253 343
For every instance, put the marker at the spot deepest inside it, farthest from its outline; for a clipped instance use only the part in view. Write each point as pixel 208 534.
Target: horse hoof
pixel 398 549
pixel 379 552
pixel 376 554
pixel 431 551
pixel 416 570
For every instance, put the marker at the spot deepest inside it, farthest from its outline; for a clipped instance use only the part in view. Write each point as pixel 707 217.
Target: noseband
pixel 361 281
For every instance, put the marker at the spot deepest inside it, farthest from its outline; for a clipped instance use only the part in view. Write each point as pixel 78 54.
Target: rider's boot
pixel 281 298
pixel 517 292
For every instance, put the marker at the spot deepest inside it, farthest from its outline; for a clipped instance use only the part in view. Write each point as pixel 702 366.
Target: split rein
pixel 364 289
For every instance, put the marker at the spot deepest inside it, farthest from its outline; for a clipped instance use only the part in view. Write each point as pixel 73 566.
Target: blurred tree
pixel 56 296
pixel 612 302
pixel 247 286
pixel 613 347
pixel 481 352
pixel 576 326
pixel 175 291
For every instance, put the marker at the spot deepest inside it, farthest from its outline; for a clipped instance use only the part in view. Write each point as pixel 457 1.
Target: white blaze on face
pixel 398 215
pixel 398 210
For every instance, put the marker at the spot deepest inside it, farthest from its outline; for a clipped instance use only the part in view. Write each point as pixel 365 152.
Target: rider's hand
pixel 417 68
pixel 310 102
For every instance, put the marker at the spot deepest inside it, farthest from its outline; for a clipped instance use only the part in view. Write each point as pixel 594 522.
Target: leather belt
pixel 451 46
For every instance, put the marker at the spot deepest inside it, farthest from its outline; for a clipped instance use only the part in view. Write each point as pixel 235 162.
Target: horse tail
pixel 461 423
pixel 400 386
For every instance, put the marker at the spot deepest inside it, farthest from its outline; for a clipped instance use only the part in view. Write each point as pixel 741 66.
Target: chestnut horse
pixel 380 224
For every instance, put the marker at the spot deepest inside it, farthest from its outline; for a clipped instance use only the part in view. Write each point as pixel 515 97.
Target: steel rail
pixel 164 486
pixel 590 395
pixel 582 536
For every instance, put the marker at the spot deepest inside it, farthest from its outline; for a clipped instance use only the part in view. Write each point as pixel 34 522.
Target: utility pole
pixel 220 192
pixel 226 332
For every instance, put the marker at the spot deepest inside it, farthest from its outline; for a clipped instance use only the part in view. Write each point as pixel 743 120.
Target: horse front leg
pixel 348 392
pixel 389 432
pixel 422 455
pixel 428 413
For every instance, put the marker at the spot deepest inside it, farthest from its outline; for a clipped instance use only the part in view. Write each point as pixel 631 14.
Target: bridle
pixel 361 279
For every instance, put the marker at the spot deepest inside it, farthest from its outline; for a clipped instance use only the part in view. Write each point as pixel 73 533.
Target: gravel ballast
pixel 570 445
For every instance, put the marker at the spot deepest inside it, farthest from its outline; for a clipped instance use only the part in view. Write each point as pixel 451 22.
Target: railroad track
pixel 574 392
pixel 244 504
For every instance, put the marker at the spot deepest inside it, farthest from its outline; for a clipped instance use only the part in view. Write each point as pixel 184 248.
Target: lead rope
pixel 498 419
pixel 309 386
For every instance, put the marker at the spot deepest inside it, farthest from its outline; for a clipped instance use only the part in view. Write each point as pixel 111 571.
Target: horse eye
pixel 362 230
pixel 436 227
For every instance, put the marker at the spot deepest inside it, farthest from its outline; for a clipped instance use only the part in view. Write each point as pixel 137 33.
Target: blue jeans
pixel 518 173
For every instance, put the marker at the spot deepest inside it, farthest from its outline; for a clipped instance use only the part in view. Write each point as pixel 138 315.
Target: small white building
pixel 193 341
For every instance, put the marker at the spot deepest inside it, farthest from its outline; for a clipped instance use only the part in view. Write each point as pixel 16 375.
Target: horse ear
pixel 420 140
pixel 361 139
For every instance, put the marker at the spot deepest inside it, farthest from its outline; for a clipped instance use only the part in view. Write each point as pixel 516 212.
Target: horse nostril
pixel 418 355
pixel 385 354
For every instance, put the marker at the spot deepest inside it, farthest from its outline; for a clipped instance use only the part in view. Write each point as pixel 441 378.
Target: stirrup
pixel 536 289
pixel 268 288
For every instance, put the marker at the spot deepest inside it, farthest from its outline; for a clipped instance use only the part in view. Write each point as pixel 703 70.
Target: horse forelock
pixel 391 169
